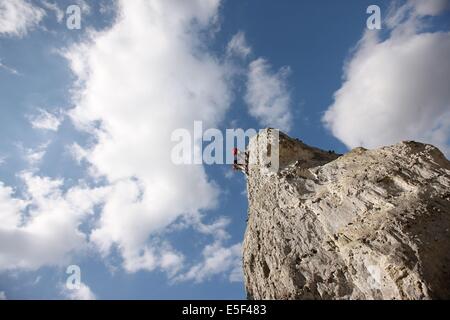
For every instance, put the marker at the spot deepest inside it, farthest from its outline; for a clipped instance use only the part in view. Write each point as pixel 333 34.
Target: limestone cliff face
pixel 371 224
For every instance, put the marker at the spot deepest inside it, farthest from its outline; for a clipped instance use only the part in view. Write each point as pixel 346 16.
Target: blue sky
pixel 86 115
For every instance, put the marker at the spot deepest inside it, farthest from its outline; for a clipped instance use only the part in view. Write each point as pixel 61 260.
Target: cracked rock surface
pixel 371 224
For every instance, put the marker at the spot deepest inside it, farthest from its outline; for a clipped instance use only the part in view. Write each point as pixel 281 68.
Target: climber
pixel 240 161
pixel 236 164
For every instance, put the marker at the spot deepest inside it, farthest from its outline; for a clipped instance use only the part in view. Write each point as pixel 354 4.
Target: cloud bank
pixel 150 74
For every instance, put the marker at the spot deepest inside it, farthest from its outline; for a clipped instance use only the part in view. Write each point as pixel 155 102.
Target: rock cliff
pixel 370 224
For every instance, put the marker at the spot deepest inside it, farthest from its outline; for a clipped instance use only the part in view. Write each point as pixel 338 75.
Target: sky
pixel 87 117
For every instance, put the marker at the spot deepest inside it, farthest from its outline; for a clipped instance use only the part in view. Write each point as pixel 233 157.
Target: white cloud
pixel 267 95
pixel 35 156
pixel 82 293
pixel 238 46
pixel 9 207
pixel 2 295
pixel 45 120
pixel 77 152
pixel 9 69
pixel 59 13
pixel 41 227
pixel 396 89
pixel 18 17
pixel 149 74
pixel 217 229
pixel 217 260
pixel 406 17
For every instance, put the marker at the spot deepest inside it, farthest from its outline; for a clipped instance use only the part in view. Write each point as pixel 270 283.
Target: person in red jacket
pixel 235 152
pixel 239 163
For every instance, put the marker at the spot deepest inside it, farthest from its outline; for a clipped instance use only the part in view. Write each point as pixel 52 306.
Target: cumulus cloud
pixel 41 227
pixel 45 120
pixel 18 17
pixel 238 46
pixel 396 88
pixel 2 295
pixel 81 293
pixel 146 76
pixel 35 156
pixel 217 260
pixel 267 95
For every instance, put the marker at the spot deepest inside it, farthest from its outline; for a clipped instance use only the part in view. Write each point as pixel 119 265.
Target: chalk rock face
pixel 371 224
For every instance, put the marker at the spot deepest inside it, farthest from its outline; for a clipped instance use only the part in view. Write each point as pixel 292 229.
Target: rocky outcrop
pixel 371 224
